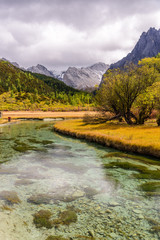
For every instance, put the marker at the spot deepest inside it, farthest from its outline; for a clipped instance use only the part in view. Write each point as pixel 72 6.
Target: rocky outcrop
pixel 147 46
pixel 85 78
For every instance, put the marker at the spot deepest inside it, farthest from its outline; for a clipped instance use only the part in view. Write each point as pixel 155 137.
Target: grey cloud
pixel 73 32
pixel 81 14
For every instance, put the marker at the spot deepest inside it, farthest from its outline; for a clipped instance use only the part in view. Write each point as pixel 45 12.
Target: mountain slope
pixel 40 69
pixel 55 84
pixel 85 78
pixel 147 46
pixel 78 78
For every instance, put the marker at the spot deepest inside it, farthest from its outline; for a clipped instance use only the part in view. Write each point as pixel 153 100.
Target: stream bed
pixel 55 187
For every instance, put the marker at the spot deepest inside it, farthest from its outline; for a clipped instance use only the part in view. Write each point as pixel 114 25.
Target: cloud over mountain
pixel 73 33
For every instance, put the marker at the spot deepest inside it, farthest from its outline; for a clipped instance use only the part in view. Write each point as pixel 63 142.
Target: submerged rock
pixel 90 192
pixel 24 182
pixel 40 199
pixel 73 196
pixel 114 204
pixel 113 235
pixel 91 233
pixel 140 216
pixel 68 196
pixel 137 211
pixel 78 194
pixel 108 211
pixel 59 197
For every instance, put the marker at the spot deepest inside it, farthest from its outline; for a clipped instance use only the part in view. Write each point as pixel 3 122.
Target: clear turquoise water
pixel 70 174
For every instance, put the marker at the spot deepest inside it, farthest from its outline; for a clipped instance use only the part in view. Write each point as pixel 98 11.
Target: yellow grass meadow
pixel 139 139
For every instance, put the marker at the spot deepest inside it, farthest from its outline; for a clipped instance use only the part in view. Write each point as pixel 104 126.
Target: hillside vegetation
pixel 21 90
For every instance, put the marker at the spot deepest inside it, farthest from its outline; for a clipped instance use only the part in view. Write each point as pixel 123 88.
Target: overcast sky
pixel 61 33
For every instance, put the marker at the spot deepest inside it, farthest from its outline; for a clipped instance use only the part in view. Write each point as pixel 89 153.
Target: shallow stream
pixel 42 170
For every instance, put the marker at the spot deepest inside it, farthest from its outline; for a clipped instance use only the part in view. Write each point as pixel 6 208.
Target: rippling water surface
pixel 42 170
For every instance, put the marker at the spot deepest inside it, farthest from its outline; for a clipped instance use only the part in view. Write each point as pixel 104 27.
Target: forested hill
pixel 12 78
pixel 55 84
pixel 36 91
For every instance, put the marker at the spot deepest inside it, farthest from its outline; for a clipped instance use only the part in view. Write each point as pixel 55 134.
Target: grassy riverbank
pixel 138 139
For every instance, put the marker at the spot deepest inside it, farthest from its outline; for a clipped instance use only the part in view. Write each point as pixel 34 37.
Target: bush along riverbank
pixel 137 139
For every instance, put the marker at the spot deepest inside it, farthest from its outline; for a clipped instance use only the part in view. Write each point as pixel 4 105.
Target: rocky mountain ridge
pixel 79 78
pixel 41 70
pixel 147 46
pixel 85 78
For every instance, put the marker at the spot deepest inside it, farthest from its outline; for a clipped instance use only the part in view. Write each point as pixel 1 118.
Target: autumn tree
pixel 121 89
